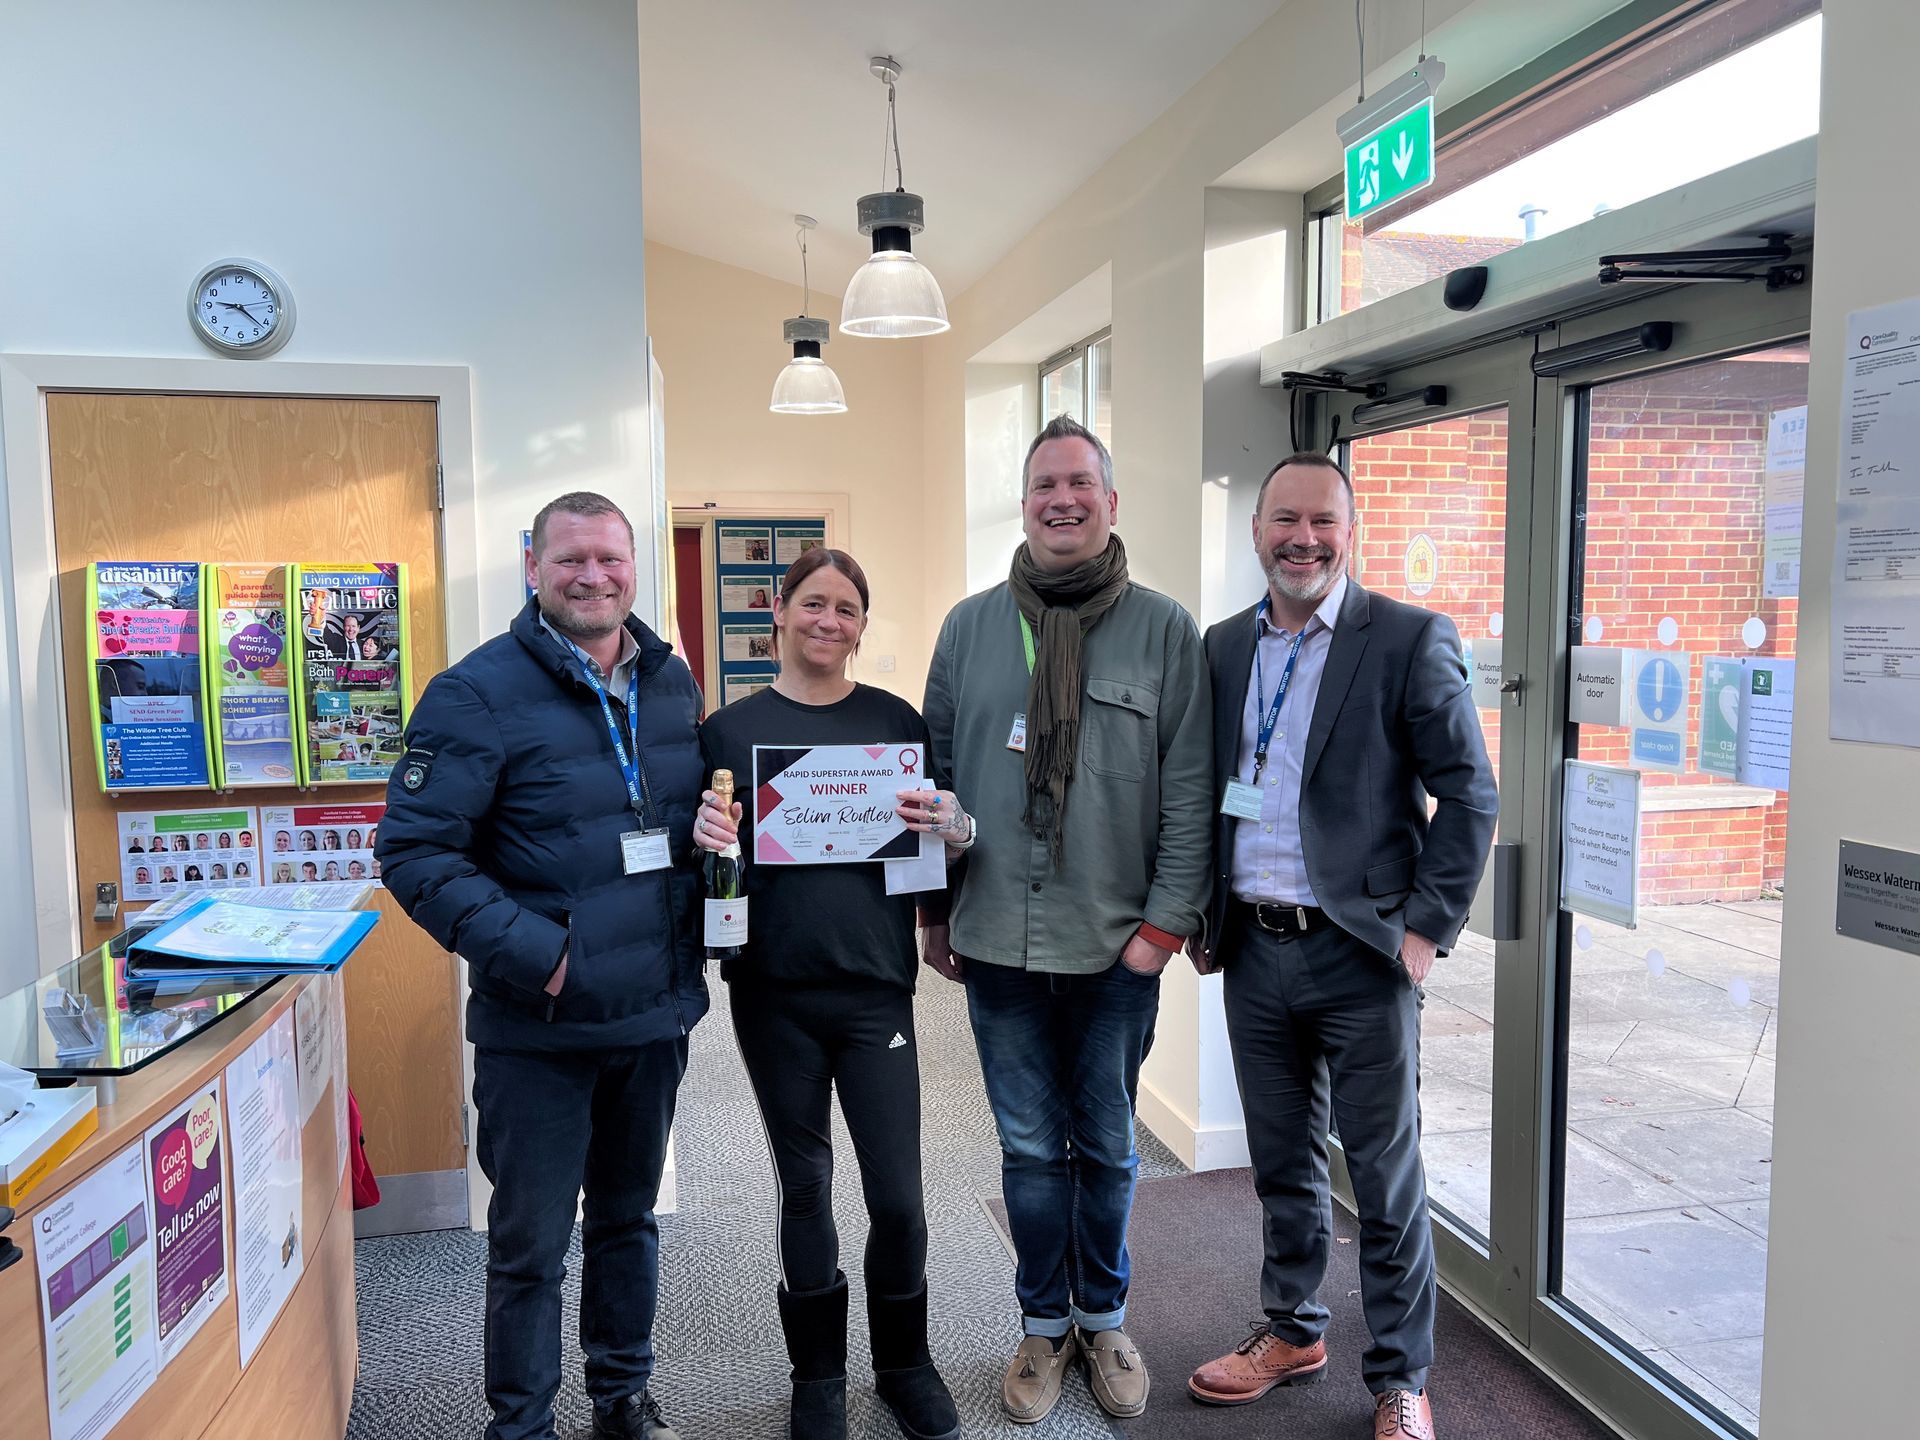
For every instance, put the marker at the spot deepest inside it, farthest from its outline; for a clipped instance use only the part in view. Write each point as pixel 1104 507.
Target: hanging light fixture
pixel 892 296
pixel 806 385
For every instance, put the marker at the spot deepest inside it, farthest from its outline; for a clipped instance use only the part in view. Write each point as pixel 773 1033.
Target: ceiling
pixel 752 110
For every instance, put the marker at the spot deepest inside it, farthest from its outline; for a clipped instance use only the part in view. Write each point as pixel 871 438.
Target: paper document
pixel 1875 672
pixel 263 1096
pixel 222 932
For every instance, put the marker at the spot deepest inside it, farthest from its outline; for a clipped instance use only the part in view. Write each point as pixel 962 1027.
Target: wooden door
pixel 242 478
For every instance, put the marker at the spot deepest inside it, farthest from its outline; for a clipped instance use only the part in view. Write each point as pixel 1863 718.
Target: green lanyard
pixel 1026 638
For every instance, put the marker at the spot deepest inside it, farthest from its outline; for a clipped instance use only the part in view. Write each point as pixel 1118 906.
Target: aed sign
pixel 1395 160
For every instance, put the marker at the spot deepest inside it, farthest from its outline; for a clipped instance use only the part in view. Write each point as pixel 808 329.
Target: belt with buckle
pixel 1283 919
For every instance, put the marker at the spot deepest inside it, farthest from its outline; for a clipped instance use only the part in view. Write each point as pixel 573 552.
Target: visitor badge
pixel 644 850
pixel 1242 800
pixel 1018 739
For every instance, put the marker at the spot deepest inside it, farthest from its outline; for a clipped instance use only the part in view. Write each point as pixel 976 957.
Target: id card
pixel 1018 739
pixel 1242 800
pixel 644 850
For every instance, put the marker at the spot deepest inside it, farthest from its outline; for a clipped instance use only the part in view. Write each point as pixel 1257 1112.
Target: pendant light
pixel 806 385
pixel 893 296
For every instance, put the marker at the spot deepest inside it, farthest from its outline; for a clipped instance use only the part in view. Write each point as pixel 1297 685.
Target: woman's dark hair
pixel 821 558
pixel 818 558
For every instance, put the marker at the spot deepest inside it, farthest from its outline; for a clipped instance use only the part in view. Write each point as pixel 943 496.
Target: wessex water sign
pixel 1395 160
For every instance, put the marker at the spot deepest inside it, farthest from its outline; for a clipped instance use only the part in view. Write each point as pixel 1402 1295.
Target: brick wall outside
pixel 1674 529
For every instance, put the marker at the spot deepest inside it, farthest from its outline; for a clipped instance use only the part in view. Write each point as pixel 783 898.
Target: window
pixel 1587 129
pixel 1079 382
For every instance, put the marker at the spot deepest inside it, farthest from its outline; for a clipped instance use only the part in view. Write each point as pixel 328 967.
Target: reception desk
pixel 298 1383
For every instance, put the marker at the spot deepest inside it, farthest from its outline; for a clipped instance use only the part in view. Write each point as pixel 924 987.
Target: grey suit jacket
pixel 1394 723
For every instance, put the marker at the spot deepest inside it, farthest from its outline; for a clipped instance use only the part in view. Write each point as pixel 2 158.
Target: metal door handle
pixel 1506 890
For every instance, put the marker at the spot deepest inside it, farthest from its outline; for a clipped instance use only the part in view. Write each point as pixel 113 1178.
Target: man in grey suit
pixel 1338 713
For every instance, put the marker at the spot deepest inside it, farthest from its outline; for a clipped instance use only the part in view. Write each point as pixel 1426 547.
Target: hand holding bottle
pixel 716 826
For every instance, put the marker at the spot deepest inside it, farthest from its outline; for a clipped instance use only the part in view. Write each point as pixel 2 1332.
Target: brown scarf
pixel 1061 609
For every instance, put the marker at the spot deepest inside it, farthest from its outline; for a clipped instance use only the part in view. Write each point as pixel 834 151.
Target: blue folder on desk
pixel 221 937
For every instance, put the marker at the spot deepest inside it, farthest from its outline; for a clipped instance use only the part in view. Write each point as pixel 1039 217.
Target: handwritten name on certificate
pixel 830 803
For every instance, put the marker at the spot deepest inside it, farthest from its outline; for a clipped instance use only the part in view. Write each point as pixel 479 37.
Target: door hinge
pixel 440 487
pixel 466 1126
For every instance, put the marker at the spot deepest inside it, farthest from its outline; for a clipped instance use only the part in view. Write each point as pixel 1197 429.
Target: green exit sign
pixel 1395 160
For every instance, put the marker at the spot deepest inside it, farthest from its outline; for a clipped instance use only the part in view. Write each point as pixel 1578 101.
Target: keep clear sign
pixel 1600 864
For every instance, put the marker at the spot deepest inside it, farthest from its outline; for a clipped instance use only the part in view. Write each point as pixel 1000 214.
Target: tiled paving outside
pixel 1670 1128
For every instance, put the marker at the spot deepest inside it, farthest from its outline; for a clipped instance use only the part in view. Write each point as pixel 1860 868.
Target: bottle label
pixel 726 923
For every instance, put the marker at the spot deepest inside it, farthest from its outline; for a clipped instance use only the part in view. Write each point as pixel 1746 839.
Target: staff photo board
pixel 751 559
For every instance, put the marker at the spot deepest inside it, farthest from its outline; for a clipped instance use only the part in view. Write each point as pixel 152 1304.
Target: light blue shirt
pixel 1269 862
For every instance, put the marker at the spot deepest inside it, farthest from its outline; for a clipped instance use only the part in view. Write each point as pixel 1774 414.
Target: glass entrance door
pixel 1596 1089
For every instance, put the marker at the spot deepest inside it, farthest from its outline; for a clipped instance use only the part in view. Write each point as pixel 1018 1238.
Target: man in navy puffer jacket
pixel 542 829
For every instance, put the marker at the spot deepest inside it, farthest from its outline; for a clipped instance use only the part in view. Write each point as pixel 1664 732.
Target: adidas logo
pixel 897 1041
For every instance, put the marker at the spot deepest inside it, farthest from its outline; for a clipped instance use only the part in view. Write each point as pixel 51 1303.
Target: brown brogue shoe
pixel 1254 1366
pixel 1402 1415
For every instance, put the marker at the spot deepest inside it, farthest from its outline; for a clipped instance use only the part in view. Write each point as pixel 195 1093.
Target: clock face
pixel 236 309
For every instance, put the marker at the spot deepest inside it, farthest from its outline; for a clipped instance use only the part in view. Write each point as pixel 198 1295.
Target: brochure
pixel 249 674
pixel 144 676
pixel 351 691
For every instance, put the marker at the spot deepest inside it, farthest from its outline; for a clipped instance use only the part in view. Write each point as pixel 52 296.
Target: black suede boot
pixel 816 1325
pixel 903 1372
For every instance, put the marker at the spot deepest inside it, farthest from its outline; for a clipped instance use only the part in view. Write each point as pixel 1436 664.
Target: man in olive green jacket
pixel 1071 713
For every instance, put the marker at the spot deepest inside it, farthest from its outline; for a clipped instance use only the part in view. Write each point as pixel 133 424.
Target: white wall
pixel 716 333
pixel 1844 1246
pixel 450 182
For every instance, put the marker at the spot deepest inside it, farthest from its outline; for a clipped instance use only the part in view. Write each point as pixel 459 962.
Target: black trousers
pixel 551 1124
pixel 1322 1022
pixel 800 1046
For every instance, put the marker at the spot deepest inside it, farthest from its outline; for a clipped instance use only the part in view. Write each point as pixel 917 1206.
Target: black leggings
pixel 800 1046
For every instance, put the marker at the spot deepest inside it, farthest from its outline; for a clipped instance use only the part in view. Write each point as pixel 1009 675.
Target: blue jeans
pixel 1061 1055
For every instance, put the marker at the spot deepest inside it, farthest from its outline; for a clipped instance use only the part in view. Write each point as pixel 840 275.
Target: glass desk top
pixel 90 1018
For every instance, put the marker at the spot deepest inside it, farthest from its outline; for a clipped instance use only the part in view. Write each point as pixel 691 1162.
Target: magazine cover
pixel 145 678
pixel 351 695
pixel 249 675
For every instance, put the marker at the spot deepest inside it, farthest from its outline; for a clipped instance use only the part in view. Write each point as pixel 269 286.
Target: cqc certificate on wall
pixel 833 803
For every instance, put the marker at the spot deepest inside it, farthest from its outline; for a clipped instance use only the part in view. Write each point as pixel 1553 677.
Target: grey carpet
pixel 1196 1285
pixel 721 1366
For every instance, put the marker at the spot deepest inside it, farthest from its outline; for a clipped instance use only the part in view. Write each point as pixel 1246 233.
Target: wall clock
pixel 240 307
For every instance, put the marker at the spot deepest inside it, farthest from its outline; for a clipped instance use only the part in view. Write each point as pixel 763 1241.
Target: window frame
pixel 1089 378
pixel 1577 82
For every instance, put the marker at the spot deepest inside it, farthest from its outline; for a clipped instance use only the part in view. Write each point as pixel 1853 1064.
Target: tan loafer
pixel 1031 1387
pixel 1402 1415
pixel 1254 1366
pixel 1115 1372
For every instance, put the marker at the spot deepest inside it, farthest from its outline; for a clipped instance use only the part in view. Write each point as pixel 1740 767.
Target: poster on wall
pixel 164 853
pixel 1785 491
pixel 301 844
pixel 1874 681
pixel 747 642
pixel 263 1098
pixel 352 671
pixel 738 687
pixel 790 542
pixel 144 676
pixel 744 544
pixel 186 1177
pixel 93 1247
pixel 741 593
pixel 249 675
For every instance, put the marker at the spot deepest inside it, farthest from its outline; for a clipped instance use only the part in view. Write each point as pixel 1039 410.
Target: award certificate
pixel 832 803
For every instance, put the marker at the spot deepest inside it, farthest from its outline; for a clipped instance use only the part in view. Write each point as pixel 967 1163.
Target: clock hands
pixel 242 309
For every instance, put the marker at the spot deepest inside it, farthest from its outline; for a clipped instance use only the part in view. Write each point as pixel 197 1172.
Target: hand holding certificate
pixel 832 803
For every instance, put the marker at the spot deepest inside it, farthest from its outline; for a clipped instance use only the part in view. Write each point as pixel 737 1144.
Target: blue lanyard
pixel 631 770
pixel 1272 720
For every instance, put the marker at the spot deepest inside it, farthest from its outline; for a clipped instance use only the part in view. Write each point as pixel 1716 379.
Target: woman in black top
pixel 823 1002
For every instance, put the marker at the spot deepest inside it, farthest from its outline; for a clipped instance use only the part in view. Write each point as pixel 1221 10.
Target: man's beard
pixel 1299 585
pixel 568 622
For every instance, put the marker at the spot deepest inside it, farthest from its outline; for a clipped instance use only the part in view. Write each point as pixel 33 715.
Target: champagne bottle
pixel 726 919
